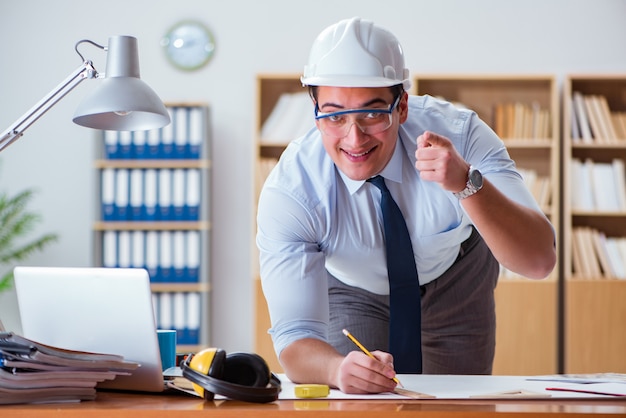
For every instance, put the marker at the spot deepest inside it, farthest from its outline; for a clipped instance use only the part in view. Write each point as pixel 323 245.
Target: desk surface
pixel 114 405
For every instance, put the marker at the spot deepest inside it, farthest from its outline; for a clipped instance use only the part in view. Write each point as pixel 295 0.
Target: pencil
pixel 365 350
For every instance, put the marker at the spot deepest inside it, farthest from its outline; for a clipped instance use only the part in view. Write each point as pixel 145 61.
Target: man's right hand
pixel 311 360
pixel 359 373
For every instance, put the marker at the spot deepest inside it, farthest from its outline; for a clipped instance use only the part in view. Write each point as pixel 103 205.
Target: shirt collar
pixel 392 171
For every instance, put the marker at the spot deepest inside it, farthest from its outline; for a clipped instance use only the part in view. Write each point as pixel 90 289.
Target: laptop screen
pixel 103 310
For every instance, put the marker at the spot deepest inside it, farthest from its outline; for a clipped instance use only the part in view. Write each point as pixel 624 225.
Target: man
pixel 322 225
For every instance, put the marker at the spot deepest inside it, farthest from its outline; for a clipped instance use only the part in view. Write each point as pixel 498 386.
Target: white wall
pixel 55 156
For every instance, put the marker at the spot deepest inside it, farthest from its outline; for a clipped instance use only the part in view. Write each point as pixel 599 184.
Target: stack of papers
pixel 31 372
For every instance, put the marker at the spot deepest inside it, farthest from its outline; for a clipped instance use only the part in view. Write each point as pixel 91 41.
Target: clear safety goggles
pixel 370 121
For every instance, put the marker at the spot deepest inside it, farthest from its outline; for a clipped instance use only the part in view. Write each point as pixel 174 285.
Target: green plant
pixel 15 223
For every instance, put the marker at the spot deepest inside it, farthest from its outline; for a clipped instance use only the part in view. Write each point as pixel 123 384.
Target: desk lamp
pixel 122 102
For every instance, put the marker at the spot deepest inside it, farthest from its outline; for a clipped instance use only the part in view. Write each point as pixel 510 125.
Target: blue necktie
pixel 405 315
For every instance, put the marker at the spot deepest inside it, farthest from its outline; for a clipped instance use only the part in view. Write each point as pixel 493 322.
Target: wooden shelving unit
pixel 565 323
pixel 595 312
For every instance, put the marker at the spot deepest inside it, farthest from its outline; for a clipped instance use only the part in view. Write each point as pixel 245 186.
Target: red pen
pixel 592 392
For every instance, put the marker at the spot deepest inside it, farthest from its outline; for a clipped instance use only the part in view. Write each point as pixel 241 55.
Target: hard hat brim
pixel 352 81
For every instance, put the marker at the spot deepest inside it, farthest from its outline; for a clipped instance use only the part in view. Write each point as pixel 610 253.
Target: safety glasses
pixel 370 121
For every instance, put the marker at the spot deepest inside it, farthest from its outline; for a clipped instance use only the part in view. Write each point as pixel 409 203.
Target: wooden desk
pixel 114 405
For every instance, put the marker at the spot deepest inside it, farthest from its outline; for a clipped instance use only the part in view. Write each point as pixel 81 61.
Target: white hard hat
pixel 356 53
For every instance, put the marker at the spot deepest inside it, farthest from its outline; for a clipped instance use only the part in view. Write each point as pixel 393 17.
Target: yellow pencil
pixel 365 350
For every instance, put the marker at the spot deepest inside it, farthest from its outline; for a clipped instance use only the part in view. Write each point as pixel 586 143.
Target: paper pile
pixel 31 372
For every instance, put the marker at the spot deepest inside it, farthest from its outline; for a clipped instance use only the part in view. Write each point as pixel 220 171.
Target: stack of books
pixel 593 122
pixel 598 186
pixel 596 256
pixel 291 117
pixel 31 372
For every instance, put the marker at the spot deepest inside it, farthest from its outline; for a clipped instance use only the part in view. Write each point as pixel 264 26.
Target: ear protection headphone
pixel 241 376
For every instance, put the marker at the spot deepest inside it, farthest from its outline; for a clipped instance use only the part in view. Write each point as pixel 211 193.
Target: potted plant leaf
pixel 16 222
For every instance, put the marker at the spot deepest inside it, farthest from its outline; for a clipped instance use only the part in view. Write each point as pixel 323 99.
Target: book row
pixel 181 311
pixel 592 121
pixel 516 120
pixel 168 256
pixel 594 255
pixel 181 139
pixel 151 194
pixel 598 186
pixel 291 117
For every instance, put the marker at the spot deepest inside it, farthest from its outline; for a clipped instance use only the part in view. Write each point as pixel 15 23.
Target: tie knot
pixel 379 182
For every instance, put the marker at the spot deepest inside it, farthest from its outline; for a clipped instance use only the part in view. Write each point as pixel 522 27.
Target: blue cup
pixel 167 347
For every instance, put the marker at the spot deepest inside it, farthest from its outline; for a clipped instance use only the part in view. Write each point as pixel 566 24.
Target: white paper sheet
pixel 486 387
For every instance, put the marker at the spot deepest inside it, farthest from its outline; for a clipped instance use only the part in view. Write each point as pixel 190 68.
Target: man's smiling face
pixel 358 155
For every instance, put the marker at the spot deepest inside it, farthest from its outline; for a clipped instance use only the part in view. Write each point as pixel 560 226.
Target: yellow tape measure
pixel 311 391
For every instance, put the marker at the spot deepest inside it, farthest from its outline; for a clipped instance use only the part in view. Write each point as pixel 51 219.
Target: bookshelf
pixel 594 220
pixel 153 192
pixel 524 111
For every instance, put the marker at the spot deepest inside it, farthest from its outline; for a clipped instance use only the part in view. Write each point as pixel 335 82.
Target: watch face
pixel 476 178
pixel 189 45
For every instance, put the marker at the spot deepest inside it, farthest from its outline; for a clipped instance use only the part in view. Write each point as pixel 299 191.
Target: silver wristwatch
pixel 474 184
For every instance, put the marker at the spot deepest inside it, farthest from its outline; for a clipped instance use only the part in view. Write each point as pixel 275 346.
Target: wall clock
pixel 189 45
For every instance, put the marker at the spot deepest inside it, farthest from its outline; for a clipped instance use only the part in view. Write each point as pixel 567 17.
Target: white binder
pixel 108 194
pixel 136 194
pixel 165 195
pixel 121 194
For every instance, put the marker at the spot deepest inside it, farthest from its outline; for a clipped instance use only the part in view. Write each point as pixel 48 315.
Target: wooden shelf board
pixel 180 287
pixel 155 164
pixel 152 226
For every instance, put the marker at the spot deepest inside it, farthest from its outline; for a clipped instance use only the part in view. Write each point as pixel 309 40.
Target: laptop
pixel 103 310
